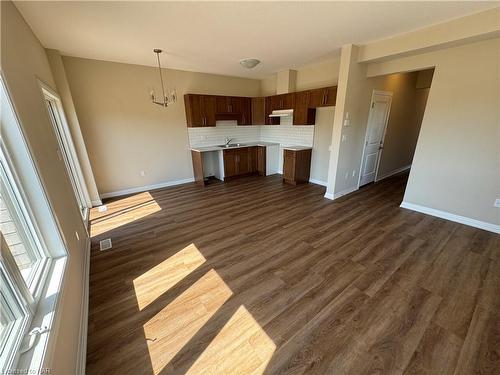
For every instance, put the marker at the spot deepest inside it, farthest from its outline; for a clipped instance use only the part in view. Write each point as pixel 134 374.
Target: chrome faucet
pixel 228 141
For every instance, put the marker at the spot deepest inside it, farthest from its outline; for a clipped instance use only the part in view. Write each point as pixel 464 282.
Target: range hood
pixel 282 113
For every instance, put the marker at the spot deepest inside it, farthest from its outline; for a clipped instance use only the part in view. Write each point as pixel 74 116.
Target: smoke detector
pixel 249 63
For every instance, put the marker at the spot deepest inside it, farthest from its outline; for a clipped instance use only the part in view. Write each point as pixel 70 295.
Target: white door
pixel 375 132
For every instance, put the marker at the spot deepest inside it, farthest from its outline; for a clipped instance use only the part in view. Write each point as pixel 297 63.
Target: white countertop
pixel 241 145
pixel 297 148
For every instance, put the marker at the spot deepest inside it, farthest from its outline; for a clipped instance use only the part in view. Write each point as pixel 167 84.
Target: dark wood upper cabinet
pixel 223 104
pixel 283 101
pixel 200 110
pixel 205 110
pixel 278 102
pixel 323 97
pixel 258 106
pixel 330 96
pixel 302 113
pixel 245 117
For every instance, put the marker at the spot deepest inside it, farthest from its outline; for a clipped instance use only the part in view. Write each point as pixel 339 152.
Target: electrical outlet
pixel 353 172
pixel 346 175
pixel 344 137
pixel 143 173
pixel 497 202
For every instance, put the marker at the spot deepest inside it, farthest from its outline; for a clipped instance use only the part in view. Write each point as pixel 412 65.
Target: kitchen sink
pixel 231 145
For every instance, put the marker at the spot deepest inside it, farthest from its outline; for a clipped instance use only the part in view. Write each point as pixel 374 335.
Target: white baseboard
pixel 392 173
pixel 345 192
pixel 452 217
pixel 84 314
pixel 140 189
pixel 329 196
pixel 317 182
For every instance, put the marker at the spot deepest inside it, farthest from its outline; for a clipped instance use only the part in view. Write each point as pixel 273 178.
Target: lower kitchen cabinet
pixel 261 160
pixel 296 166
pixel 243 161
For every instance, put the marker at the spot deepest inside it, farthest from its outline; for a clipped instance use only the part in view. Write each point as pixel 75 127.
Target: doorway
pixel 67 150
pixel 378 117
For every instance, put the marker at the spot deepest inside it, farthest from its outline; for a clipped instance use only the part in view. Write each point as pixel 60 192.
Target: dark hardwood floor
pixel 256 277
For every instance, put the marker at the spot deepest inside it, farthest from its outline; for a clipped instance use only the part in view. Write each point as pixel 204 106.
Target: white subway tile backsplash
pixel 199 137
pixel 285 134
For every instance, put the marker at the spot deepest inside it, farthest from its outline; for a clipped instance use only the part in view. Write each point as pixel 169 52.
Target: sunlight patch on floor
pixel 159 279
pixel 121 212
pixel 172 328
pixel 241 347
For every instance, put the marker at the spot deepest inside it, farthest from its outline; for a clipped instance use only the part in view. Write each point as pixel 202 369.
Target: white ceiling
pixel 213 36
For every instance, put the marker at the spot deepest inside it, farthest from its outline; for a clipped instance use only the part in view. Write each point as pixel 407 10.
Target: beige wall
pixel 24 60
pixel 353 98
pixel 268 86
pixel 355 92
pixel 463 30
pixel 125 132
pixel 407 110
pixel 456 167
pixel 322 74
pixel 321 144
pixel 310 77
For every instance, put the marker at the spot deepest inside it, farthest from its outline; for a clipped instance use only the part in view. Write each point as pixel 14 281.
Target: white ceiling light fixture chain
pixel 166 99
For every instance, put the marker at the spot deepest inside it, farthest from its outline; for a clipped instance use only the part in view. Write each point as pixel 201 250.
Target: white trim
pixel 452 217
pixel 317 182
pixel 345 192
pixel 392 173
pixel 84 315
pixel 66 142
pixel 140 189
pixel 329 196
pixel 96 203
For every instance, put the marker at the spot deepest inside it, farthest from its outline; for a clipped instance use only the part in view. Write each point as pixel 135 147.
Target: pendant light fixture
pixel 166 99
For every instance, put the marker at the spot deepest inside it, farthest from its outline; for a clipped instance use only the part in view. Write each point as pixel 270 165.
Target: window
pixel 24 264
pixel 67 148
pixel 17 229
pixel 14 317
pixel 33 253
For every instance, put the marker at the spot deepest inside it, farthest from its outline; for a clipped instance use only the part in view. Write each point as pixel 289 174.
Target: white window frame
pixel 67 149
pixel 32 349
pixel 37 279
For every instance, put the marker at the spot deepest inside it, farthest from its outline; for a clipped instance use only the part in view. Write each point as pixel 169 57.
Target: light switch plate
pixel 497 202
